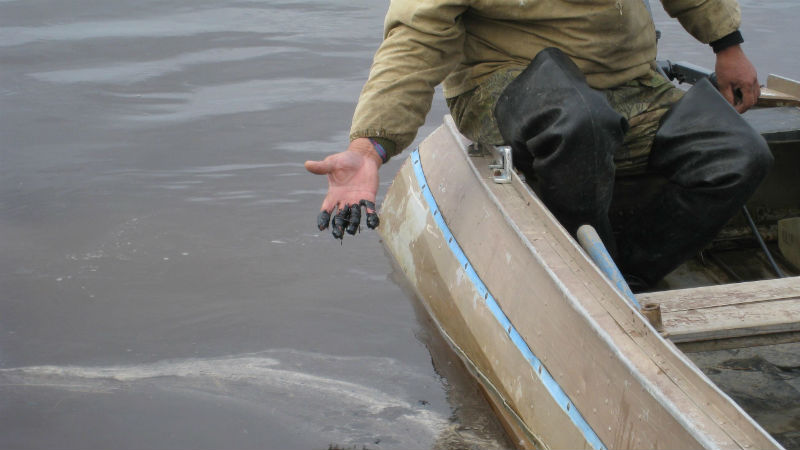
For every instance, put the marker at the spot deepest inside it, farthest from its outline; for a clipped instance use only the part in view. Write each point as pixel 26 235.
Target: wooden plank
pixel 772 98
pixel 735 312
pixel 733 321
pixel 724 295
pixel 783 84
pixel 780 91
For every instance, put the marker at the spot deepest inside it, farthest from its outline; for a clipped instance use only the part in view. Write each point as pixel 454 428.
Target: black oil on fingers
pixel 323 219
pixel 355 218
pixel 339 222
pixel 373 221
pixel 372 216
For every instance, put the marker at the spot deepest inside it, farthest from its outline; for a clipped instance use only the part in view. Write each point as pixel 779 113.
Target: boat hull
pixel 563 358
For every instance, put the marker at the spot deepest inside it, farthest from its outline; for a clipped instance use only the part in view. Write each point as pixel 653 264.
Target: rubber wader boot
pixel 563 134
pixel 713 161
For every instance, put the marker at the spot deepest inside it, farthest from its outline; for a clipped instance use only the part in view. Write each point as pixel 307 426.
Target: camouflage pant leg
pixel 642 102
pixel 473 111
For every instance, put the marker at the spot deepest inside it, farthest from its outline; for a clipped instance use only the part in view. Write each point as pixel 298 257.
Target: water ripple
pixel 128 73
pixel 284 22
pixel 234 98
pixel 337 397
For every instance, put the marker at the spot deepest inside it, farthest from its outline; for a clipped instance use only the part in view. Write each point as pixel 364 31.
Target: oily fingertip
pixel 323 219
pixel 354 219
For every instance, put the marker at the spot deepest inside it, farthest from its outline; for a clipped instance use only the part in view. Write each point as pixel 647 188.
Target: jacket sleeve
pixel 706 20
pixel 423 41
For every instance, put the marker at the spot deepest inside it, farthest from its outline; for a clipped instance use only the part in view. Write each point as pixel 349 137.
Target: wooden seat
pixel 731 315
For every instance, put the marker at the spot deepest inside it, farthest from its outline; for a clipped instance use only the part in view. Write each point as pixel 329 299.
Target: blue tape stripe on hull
pixel 545 377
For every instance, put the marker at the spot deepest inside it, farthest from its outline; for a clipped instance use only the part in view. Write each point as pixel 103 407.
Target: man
pixel 572 87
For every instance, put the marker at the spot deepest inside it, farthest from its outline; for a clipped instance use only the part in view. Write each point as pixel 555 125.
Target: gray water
pixel 162 283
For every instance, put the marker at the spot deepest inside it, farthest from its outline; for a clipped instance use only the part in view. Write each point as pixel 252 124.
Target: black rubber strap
pixel 726 41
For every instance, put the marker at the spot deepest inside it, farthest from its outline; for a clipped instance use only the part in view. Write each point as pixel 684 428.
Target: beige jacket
pixel 461 42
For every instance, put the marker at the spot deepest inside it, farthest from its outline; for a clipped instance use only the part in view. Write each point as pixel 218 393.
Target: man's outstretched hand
pixel 352 183
pixel 737 79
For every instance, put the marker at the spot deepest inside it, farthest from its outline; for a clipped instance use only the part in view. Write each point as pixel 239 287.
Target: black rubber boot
pixel 713 161
pixel 563 134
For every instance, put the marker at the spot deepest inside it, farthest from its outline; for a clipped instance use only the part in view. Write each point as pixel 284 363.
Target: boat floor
pixel 742 262
pixel 764 381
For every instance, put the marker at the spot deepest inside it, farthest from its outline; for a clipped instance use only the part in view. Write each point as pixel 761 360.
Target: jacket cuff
pixel 379 137
pixel 726 41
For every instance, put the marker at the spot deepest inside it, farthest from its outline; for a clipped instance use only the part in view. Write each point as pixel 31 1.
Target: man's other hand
pixel 352 183
pixel 737 78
